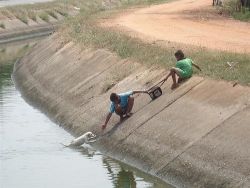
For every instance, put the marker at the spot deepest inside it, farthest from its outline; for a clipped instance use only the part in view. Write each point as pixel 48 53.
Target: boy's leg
pixel 130 105
pixel 175 71
pixel 119 112
pixel 180 80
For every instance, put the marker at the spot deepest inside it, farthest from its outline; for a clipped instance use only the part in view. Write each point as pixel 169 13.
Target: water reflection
pixel 87 151
pixel 121 179
pixel 5 74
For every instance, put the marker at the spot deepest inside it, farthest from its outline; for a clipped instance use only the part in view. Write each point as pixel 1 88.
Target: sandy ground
pixel 190 22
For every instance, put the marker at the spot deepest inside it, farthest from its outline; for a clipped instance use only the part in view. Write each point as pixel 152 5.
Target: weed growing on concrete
pixel 3 50
pixel 61 12
pixel 52 14
pixel 2 25
pixel 23 12
pixel 21 15
pixel 32 15
pixel 44 16
pixel 6 13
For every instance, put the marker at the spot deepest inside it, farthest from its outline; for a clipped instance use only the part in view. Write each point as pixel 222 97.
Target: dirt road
pixel 189 22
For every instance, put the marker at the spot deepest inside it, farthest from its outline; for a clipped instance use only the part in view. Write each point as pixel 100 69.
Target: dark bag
pixel 155 91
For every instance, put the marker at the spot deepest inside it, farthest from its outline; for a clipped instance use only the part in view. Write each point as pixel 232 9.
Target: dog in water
pixel 87 137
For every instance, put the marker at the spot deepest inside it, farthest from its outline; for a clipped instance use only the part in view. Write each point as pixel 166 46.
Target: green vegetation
pixel 52 13
pixel 44 16
pixel 85 30
pixel 7 60
pixel 24 12
pixel 32 15
pixel 6 13
pixel 21 15
pixel 234 8
pixel 61 12
pixel 242 16
pixel 2 25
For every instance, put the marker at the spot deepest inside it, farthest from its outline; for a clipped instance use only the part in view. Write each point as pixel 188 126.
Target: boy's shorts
pixel 183 74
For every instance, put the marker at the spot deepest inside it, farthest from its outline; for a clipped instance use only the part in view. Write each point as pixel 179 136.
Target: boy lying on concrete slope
pixel 121 104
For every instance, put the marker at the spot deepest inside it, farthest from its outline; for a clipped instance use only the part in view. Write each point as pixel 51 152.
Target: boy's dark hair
pixel 113 97
pixel 179 53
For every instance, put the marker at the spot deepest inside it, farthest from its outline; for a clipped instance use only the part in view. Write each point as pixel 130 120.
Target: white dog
pixel 87 137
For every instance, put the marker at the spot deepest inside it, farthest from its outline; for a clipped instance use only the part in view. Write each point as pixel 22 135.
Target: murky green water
pixel 31 154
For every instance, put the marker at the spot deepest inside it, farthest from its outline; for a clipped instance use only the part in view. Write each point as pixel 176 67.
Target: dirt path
pixel 189 22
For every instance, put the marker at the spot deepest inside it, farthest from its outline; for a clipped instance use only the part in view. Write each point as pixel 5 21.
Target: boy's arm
pixel 107 120
pixel 134 92
pixel 196 66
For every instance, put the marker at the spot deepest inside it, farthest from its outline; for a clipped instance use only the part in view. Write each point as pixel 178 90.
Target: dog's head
pixel 90 136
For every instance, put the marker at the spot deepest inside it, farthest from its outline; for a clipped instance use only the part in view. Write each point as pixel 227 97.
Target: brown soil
pixel 188 22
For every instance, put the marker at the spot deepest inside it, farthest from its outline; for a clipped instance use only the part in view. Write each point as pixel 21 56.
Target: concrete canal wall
pixel 195 136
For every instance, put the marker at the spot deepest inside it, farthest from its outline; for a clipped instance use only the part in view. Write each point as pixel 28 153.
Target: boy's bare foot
pixel 103 127
pixel 121 118
pixel 174 86
pixel 180 80
pixel 129 114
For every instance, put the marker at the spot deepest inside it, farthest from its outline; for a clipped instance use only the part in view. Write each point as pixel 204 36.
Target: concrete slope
pixel 195 136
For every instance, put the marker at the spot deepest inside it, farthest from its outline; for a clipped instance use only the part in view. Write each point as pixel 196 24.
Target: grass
pixel 44 16
pixel 61 12
pixel 242 16
pixel 6 13
pixel 32 15
pixel 230 8
pixel 32 11
pixel 22 16
pixel 2 25
pixel 84 30
pixel 52 13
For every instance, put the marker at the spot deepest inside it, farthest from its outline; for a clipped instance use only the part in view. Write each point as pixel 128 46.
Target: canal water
pixel 4 3
pixel 31 154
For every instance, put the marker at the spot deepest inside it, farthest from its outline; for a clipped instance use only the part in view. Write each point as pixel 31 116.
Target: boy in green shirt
pixel 183 69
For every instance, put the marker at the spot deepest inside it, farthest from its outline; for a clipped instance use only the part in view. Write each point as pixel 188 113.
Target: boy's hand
pixel 104 126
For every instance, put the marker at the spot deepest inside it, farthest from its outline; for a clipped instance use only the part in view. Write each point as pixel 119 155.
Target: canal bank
pixel 31 152
pixel 199 133
pixel 22 20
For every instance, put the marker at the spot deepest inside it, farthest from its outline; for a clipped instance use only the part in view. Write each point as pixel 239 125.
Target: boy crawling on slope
pixel 183 69
pixel 121 104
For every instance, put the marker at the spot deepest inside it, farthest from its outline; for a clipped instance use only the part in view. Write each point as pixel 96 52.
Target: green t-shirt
pixel 185 65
